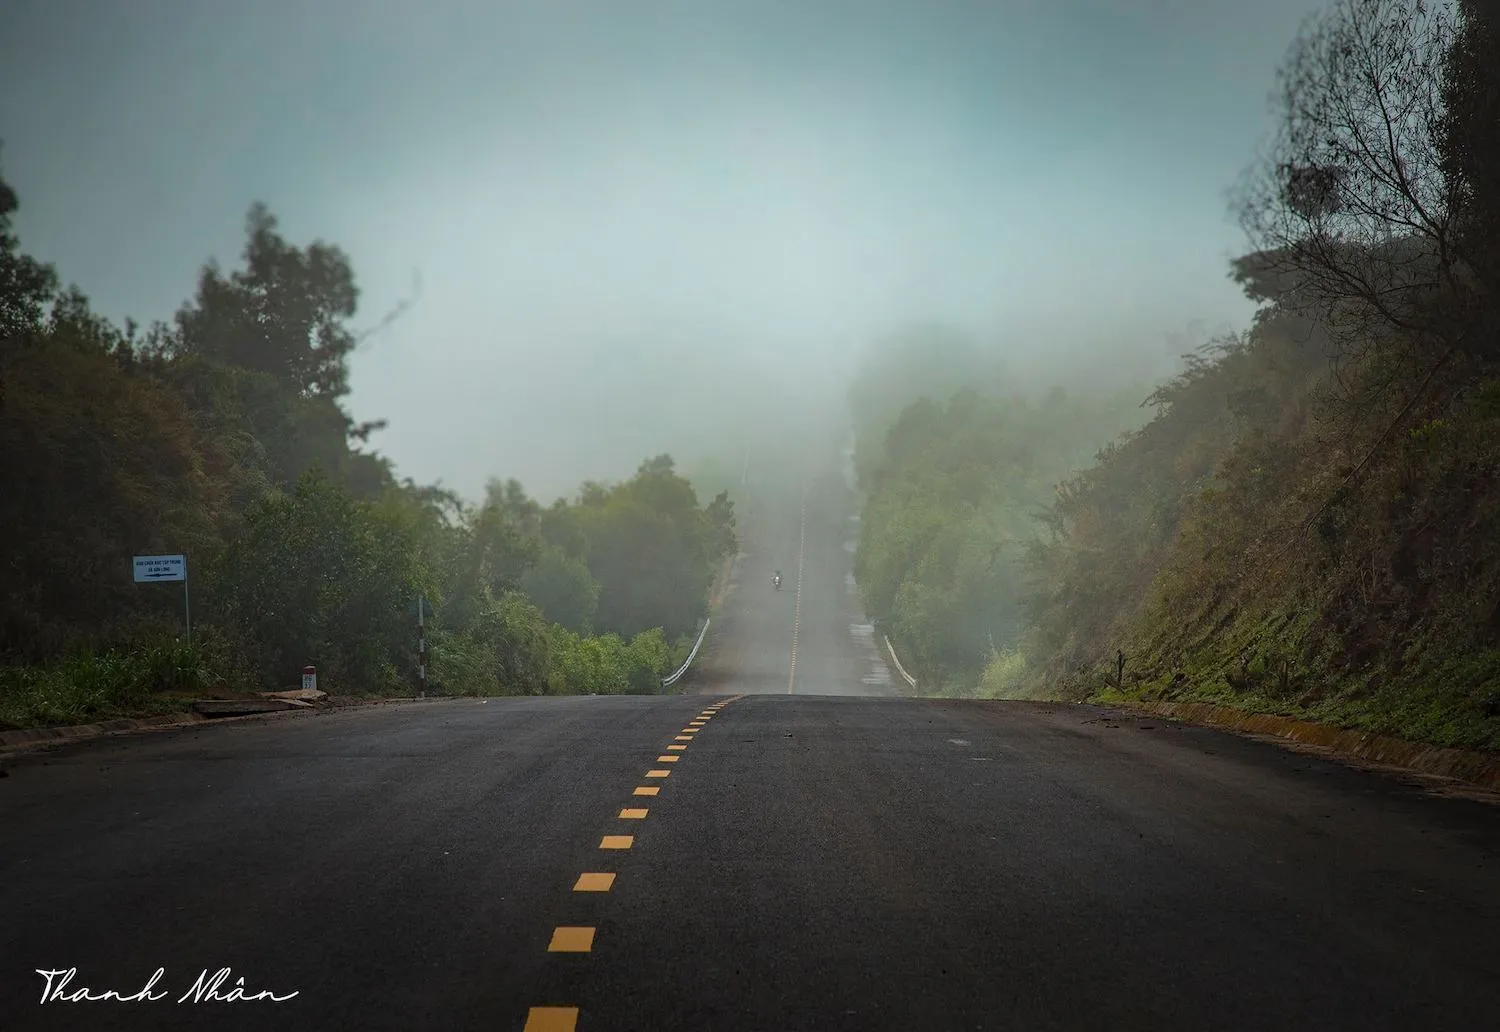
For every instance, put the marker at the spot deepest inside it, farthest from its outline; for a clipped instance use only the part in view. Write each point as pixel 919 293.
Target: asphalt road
pixel 810 860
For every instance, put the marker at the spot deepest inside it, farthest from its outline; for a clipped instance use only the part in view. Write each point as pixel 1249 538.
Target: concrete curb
pixel 34 735
pixel 1468 765
pixel 26 739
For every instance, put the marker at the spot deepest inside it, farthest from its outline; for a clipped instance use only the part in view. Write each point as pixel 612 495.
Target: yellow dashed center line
pixel 580 938
pixel 551 1019
pixel 571 939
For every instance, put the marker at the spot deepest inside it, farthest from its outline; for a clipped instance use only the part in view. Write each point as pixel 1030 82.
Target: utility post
pixel 187 606
pixel 421 648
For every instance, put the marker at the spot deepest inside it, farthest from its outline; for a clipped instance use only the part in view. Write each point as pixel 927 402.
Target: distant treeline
pixel 1309 522
pixel 223 436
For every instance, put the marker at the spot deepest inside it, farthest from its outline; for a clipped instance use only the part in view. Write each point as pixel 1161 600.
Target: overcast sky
pixel 619 206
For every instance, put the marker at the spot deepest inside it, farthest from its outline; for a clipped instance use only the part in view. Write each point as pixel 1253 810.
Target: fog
pixel 649 226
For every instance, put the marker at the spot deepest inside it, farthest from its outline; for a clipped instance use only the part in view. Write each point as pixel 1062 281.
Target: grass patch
pixel 1450 701
pixel 91 685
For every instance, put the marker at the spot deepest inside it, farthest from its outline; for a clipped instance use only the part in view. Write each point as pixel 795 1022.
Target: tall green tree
pixel 652 549
pixel 284 314
pixel 26 285
pixel 563 588
pixel 316 576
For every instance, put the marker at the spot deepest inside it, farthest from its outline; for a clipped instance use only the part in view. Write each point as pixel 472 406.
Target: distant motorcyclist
pixel 776 580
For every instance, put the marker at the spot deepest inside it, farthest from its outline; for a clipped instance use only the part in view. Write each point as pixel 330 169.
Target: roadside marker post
pixel 151 569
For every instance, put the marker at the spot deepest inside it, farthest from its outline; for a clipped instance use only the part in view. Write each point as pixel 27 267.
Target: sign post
pixel 152 568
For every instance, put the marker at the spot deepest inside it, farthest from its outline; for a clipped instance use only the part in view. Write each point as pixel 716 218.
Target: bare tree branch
pixel 1351 201
pixel 402 307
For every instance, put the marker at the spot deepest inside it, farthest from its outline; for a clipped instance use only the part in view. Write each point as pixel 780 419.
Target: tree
pixel 515 633
pixel 1370 208
pixel 497 550
pixel 651 548
pixel 1352 203
pixel 26 285
pixel 1470 149
pixel 95 465
pixel 317 576
pixel 225 438
pixel 562 587
pixel 283 314
pixel 721 518
pixel 918 361
pixel 949 512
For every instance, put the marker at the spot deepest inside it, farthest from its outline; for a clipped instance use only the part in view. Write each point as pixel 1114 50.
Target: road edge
pixel 24 740
pixel 1464 765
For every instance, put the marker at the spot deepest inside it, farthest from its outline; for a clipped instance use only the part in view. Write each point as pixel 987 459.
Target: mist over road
pixel 811 637
pixel 791 847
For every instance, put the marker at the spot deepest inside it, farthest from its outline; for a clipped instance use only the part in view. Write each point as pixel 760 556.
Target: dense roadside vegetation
pixel 952 492
pixel 1309 521
pixel 223 436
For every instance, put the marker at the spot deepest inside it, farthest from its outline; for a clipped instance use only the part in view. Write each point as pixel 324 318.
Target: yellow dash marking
pixel 647 790
pixel 668 759
pixel 657 773
pixel 628 814
pixel 551 1019
pixel 616 841
pixel 567 939
pixel 690 731
pixel 678 748
pixel 594 881
pixel 683 738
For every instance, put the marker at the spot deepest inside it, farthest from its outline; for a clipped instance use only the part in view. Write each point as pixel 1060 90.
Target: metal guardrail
pixel 910 680
pixel 668 682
